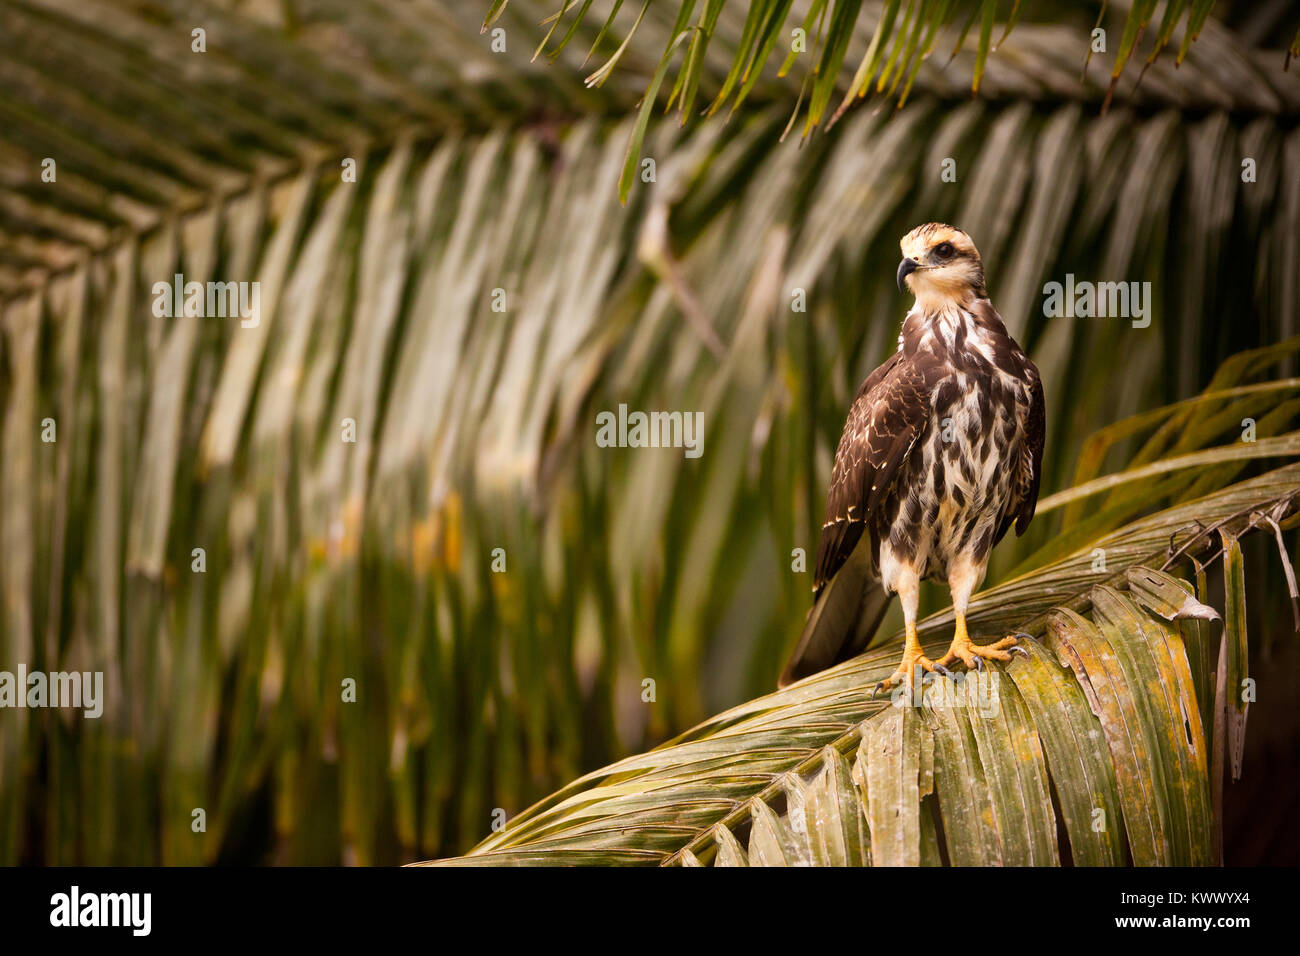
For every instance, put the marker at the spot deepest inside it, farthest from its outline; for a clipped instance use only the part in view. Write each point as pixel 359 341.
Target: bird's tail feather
pixel 840 624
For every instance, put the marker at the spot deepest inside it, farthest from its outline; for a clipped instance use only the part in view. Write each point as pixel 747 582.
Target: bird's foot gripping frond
pixel 909 669
pixel 974 655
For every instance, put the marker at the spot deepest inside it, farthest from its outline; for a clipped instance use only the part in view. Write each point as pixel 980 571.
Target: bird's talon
pixel 974 655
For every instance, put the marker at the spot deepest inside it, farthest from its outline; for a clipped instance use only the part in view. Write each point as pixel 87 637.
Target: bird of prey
pixel 940 455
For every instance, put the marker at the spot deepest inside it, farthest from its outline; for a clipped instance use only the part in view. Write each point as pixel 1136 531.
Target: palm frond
pixel 903 37
pixel 1101 724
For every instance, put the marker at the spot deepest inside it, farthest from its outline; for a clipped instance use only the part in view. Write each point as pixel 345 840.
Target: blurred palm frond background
pixel 470 303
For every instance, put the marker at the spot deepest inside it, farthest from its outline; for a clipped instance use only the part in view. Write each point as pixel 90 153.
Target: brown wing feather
pixel 1036 435
pixel 887 416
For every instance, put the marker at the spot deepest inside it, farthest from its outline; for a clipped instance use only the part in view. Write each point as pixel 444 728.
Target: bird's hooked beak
pixel 905 269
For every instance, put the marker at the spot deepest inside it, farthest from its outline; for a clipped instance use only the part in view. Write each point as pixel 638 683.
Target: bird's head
pixel 940 266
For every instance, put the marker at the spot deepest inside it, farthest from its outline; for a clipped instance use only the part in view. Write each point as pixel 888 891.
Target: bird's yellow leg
pixel 914 660
pixel 974 655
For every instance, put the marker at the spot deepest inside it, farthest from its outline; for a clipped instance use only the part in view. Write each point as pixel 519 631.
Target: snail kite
pixel 940 456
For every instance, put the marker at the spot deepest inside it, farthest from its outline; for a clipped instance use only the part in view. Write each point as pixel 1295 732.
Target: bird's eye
pixel 944 250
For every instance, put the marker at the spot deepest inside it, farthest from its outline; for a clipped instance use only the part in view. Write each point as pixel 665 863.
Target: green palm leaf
pixel 1104 713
